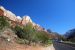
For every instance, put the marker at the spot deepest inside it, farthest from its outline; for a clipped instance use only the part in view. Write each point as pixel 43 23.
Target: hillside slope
pixel 14 46
pixel 22 34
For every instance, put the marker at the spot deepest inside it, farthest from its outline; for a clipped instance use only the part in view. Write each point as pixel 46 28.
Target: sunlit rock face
pixel 19 19
pixel 26 19
pixel 14 20
pixel 8 14
pixel 1 12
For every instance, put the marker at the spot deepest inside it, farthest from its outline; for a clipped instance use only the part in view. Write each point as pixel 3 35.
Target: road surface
pixel 61 46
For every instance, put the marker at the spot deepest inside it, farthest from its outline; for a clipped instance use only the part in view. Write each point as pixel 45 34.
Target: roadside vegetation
pixel 3 23
pixel 27 34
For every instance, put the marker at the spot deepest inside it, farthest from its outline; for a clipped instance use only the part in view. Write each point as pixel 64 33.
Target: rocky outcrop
pixel 8 14
pixel 14 20
pixel 1 12
pixel 26 19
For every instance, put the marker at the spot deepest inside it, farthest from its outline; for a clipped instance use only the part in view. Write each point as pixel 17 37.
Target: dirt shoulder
pixel 4 45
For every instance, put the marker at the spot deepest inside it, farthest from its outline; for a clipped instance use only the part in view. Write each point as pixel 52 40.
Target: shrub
pixel 29 35
pixel 19 32
pixel 3 22
pixel 42 37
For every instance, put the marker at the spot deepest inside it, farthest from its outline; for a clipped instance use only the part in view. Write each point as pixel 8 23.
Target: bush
pixel 42 37
pixel 19 32
pixel 26 34
pixel 29 35
pixel 3 22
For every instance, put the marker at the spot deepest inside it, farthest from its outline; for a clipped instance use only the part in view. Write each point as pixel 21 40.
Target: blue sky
pixel 57 15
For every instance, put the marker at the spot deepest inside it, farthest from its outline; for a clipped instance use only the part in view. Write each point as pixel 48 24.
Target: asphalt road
pixel 61 46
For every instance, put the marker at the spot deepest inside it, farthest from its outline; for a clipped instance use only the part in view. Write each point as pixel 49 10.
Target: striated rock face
pixel 12 17
pixel 26 19
pixel 8 14
pixel 19 19
pixel 1 12
pixel 14 20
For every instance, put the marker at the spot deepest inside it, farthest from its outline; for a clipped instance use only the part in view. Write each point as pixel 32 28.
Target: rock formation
pixel 17 19
pixel 26 19
pixel 8 14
